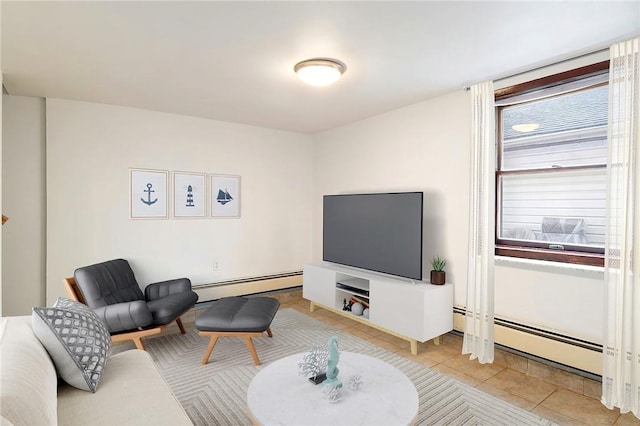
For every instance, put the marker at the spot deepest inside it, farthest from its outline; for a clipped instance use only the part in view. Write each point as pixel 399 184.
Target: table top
pixel 277 395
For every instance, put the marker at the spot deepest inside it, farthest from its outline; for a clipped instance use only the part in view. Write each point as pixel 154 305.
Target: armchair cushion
pixel 168 308
pixel 166 288
pixel 108 283
pixel 76 339
pixel 125 316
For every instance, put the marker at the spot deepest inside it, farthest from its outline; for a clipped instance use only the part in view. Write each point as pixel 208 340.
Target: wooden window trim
pixel 552 80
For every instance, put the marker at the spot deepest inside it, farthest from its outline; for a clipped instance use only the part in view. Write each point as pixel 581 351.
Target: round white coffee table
pixel 277 395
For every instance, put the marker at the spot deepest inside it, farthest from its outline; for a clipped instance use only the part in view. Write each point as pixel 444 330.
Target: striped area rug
pixel 215 394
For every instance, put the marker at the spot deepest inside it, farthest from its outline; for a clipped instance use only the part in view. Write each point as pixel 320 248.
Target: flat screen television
pixel 378 232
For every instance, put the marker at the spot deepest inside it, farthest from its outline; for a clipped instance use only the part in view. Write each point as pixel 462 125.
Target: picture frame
pixel 148 194
pixel 225 196
pixel 189 195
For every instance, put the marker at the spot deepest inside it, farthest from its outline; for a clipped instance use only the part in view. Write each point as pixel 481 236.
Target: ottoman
pixel 244 317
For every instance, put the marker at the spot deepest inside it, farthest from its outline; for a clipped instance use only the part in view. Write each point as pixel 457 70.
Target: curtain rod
pixel 467 87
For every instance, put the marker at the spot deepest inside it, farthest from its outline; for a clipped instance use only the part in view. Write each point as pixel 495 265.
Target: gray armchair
pixel 111 290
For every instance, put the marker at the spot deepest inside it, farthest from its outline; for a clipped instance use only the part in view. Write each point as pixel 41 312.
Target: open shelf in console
pixel 350 288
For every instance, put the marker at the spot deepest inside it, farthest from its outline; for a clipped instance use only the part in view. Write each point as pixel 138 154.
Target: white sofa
pixel 131 391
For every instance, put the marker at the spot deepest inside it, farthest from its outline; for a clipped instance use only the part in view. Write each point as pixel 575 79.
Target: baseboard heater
pixel 248 285
pixel 577 354
pixel 249 279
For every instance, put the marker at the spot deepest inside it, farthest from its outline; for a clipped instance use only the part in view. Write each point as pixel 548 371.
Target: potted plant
pixel 437 272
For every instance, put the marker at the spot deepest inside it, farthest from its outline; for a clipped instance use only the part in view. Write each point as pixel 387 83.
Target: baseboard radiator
pixel 564 350
pixel 249 285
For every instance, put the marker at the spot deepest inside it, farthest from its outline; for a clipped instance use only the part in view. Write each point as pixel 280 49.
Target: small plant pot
pixel 438 277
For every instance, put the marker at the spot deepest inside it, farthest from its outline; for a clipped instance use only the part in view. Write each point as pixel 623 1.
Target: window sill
pixel 548 265
pixel 564 257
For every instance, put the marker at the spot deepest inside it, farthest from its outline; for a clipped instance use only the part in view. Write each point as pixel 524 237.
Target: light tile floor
pixel 566 398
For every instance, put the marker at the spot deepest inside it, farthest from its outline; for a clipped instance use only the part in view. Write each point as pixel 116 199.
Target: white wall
pixel 426 147
pixel 423 147
pixel 23 193
pixel 552 296
pixel 90 148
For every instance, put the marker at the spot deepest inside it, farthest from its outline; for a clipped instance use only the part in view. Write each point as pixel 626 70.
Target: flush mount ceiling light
pixel 525 128
pixel 319 71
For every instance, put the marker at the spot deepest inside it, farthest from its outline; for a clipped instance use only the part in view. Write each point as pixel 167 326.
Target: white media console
pixel 415 312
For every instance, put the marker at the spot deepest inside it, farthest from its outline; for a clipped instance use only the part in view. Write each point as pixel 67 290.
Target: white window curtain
pixel 621 353
pixel 478 331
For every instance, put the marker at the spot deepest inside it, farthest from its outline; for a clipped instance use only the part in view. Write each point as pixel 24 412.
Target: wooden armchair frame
pixel 73 290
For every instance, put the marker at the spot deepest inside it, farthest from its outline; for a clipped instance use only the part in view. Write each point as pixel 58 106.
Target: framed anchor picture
pixel 148 194
pixel 225 196
pixel 189 195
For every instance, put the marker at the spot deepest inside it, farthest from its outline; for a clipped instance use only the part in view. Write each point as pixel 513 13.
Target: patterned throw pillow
pixel 76 339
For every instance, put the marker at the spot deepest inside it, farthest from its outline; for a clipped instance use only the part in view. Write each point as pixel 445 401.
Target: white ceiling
pixel 233 61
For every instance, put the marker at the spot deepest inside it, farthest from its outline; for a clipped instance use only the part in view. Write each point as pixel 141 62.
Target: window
pixel 551 167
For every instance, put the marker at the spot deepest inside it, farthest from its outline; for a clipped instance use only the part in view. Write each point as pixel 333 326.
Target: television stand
pixel 413 312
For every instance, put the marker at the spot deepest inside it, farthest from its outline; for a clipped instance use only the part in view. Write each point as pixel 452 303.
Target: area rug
pixel 216 393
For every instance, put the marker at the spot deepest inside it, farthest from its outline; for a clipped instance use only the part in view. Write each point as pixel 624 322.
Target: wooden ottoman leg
pixel 252 349
pixel 212 343
pixel 251 313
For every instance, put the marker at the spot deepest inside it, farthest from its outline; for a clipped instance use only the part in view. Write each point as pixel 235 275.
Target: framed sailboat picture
pixel 189 195
pixel 148 194
pixel 225 196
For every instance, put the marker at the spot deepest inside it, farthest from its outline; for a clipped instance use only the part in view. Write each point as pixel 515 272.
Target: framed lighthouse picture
pixel 148 198
pixel 189 195
pixel 225 196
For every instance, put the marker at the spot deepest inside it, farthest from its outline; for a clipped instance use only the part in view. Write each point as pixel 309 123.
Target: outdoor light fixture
pixel 525 128
pixel 319 71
